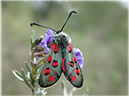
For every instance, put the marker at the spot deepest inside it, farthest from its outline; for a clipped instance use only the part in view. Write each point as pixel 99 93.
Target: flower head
pixel 44 45
pixel 48 38
pixel 49 35
pixel 79 57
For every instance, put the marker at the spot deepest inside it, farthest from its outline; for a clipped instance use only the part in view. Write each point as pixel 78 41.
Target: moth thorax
pixel 63 39
pixel 62 34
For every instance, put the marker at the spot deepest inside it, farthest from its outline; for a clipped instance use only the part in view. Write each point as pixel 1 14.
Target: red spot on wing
pixel 56 48
pixel 70 47
pixel 49 59
pixel 51 78
pixel 52 46
pixel 63 65
pixel 73 78
pixel 46 71
pixel 55 64
pixel 77 71
pixel 71 64
pixel 75 59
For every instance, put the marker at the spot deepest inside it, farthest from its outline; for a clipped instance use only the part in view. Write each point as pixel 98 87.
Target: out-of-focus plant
pixel 71 91
pixel 38 56
pixel 39 49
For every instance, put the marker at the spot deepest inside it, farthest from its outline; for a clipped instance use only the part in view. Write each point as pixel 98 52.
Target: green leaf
pixel 32 64
pixel 31 76
pixel 17 75
pixel 27 66
pixel 31 42
pixel 25 79
pixel 30 73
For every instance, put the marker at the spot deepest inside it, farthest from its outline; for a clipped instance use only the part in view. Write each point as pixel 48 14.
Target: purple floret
pixel 79 57
pixel 48 39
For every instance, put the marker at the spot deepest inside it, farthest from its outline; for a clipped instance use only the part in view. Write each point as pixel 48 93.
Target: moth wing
pixel 72 69
pixel 52 68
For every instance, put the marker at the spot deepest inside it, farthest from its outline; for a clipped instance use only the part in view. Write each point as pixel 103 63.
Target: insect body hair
pixel 62 39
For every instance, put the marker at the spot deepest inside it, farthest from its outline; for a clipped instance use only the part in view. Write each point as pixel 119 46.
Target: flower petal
pixel 77 52
pixel 47 36
pixel 79 57
pixel 80 62
pixel 48 49
pixel 44 45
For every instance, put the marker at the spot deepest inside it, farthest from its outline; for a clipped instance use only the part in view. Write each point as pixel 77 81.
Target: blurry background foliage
pixel 99 30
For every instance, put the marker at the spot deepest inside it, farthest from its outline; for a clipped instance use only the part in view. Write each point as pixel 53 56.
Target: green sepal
pixel 27 66
pixel 17 75
pixel 25 79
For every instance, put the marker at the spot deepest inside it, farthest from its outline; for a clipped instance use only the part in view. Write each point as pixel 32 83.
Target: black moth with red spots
pixel 61 59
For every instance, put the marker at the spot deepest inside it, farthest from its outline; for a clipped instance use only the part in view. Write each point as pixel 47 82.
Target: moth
pixel 61 59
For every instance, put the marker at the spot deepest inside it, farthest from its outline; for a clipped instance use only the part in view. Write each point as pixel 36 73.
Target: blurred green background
pixel 99 30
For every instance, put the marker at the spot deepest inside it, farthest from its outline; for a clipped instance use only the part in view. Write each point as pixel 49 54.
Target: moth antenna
pixel 67 20
pixel 31 24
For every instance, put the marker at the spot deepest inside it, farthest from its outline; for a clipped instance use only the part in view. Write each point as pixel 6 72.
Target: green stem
pixel 33 92
pixel 32 82
pixel 32 54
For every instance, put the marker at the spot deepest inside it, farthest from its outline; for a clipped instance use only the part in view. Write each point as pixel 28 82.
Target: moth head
pixel 64 36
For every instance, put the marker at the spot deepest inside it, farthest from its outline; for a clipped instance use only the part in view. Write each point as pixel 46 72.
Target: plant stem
pixel 32 82
pixel 33 92
pixel 32 54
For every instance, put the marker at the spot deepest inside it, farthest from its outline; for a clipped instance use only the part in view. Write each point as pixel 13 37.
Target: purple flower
pixel 49 35
pixel 79 57
pixel 47 40
pixel 44 45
